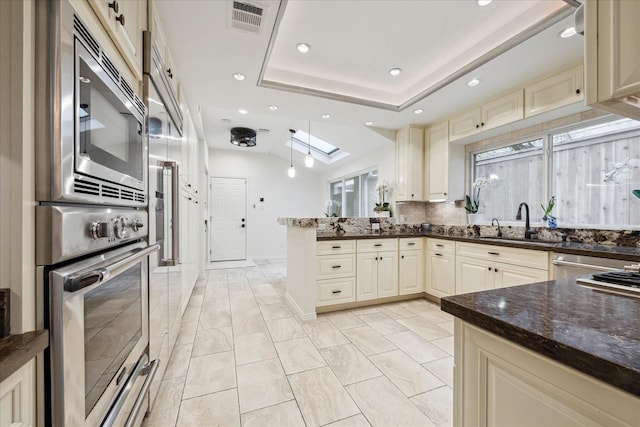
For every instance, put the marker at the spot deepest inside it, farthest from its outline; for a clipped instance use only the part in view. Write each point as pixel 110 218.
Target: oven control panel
pixel 74 231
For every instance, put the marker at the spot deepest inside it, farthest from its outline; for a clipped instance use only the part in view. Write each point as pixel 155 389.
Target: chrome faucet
pixel 528 232
pixel 497 222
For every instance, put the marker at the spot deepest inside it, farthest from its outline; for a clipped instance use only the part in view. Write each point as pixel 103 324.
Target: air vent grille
pixel 86 36
pixel 127 89
pixel 246 16
pixel 111 69
pixel 105 191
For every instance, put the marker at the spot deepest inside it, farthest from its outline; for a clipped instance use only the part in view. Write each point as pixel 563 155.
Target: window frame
pixel 547 164
pixel 343 179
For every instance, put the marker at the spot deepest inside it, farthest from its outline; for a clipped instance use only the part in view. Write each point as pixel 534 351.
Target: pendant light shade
pixel 308 160
pixel 292 171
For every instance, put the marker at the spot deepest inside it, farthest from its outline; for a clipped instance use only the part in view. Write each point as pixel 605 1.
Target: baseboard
pixel 305 317
pixel 357 304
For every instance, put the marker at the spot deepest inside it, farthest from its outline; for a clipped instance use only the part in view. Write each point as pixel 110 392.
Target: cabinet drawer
pixel 328 247
pixel 441 245
pixel 377 245
pixel 522 257
pixel 330 266
pixel 336 291
pixel 411 243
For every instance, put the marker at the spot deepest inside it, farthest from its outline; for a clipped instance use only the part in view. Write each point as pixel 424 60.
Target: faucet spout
pixel 528 232
pixel 498 223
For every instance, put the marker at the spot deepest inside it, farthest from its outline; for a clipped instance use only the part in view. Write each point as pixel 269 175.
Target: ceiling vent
pixel 243 137
pixel 247 16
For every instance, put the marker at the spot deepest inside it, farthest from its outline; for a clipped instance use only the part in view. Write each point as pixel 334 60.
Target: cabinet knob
pixel 495 269
pixel 489 268
pixel 577 91
pixel 477 126
pixel 170 73
pixel 402 257
pixel 114 5
pixel 120 19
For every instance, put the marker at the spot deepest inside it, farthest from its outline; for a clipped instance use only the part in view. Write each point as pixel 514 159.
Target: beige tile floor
pixel 243 358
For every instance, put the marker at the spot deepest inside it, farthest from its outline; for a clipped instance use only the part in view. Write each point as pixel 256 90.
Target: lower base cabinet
pixel 441 273
pixel 17 397
pixel 411 272
pixel 376 275
pixel 499 383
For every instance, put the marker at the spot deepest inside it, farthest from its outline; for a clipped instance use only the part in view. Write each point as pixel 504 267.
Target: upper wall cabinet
pixel 124 20
pixel 409 168
pixel 506 109
pixel 162 44
pixel 444 165
pixel 554 92
pixel 612 56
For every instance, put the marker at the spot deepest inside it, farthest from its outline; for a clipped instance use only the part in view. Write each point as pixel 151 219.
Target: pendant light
pixel 308 160
pixel 292 170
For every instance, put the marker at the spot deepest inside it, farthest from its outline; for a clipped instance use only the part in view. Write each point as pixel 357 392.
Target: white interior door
pixel 228 220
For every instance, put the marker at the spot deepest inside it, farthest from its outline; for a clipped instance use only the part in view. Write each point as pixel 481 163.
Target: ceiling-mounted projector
pixel 243 137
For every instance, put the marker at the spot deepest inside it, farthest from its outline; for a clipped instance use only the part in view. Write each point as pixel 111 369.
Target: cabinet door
pixel 411 272
pixel 473 275
pixel 557 91
pixel 464 124
pixel 367 276
pixel 17 397
pixel 437 161
pixel 507 109
pixel 513 275
pixel 402 153
pixel 387 274
pixel 415 164
pixel 441 274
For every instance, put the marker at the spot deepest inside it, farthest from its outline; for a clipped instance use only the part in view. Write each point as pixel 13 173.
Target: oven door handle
pixel 579 264
pixel 84 279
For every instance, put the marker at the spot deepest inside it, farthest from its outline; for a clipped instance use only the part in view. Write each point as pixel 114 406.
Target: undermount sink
pixel 514 239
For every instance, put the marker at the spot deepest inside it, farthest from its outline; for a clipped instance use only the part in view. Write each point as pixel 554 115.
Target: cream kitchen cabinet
pixel 124 20
pixel 444 165
pixel 409 164
pixel 481 267
pixel 556 91
pixel 500 111
pixel 411 266
pixel 612 56
pixel 376 269
pixel 499 383
pixel 162 46
pixel 335 272
pixel 17 397
pixel 440 267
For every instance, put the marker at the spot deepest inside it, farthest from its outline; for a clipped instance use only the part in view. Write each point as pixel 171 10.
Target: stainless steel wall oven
pixel 90 130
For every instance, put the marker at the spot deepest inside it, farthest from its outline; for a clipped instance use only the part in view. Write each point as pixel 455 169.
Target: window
pixel 354 196
pixel 590 168
pixel 320 149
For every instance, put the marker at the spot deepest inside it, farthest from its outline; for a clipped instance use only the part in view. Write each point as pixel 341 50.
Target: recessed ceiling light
pixel 303 47
pixel 368 123
pixel 239 76
pixel 473 82
pixel 483 2
pixel 568 32
pixel 242 111
pixel 418 111
pixel 273 107
pixel 326 116
pixel 395 71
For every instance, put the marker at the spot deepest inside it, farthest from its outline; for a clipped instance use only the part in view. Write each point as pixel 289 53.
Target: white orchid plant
pixel 473 201
pixel 382 188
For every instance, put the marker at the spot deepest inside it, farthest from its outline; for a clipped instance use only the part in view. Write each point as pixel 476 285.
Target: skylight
pixel 321 150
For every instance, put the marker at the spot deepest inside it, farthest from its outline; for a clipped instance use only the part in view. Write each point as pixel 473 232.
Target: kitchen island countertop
pixel 592 331
pixel 16 350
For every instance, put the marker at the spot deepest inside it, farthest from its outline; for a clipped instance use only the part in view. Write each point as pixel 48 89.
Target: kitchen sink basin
pixel 515 240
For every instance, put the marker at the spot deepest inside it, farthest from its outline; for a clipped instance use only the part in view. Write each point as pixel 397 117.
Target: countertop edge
pixel 606 371
pixel 16 350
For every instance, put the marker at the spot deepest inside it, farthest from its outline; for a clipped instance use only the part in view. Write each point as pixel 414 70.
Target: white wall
pixel 383 159
pixel 283 196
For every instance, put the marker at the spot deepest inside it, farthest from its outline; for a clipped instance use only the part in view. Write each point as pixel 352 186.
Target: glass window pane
pixel 369 182
pixel 334 207
pixel 514 174
pixel 595 168
pixel 352 197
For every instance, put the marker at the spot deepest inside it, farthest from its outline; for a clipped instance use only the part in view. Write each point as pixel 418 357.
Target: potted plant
pixel 551 220
pixel 472 203
pixel 382 209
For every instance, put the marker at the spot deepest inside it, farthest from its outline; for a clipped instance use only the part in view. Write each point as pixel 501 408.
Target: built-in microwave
pixel 90 124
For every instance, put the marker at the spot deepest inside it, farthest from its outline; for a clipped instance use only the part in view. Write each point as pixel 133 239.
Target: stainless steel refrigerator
pixel 165 147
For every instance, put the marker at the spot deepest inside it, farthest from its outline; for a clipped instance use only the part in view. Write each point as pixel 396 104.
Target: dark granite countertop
pixel 592 331
pixel 629 253
pixel 16 350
